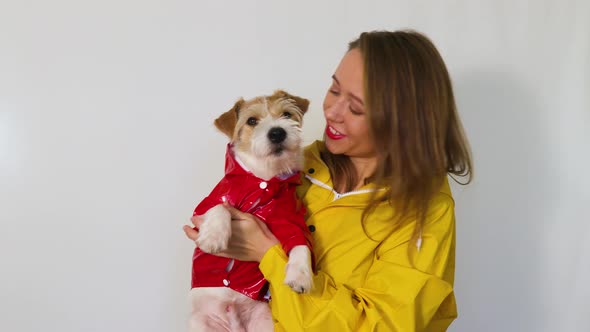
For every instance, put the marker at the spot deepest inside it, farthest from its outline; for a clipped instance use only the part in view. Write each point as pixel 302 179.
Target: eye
pixel 252 121
pixel 287 115
pixel 334 90
pixel 355 112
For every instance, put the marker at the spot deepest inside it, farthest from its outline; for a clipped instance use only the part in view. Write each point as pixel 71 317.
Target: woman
pixel 378 200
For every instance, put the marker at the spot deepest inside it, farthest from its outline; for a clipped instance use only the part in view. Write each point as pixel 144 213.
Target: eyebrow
pixel 355 97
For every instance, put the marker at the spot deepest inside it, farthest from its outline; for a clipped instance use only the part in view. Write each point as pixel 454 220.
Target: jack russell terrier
pixel 262 166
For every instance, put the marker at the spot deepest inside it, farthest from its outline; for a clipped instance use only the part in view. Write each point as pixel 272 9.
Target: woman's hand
pixel 250 238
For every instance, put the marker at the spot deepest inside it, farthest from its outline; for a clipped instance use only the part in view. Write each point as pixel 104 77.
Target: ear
pixel 226 123
pixel 302 103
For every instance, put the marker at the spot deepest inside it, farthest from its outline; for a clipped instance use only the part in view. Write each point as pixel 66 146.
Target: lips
pixel 333 133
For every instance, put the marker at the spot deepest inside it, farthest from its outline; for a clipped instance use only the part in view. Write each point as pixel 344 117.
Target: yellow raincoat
pixel 363 284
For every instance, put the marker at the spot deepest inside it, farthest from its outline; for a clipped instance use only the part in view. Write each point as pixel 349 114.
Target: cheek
pixel 245 135
pixel 359 127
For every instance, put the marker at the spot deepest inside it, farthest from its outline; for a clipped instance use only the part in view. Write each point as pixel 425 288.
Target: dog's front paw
pixel 298 274
pixel 298 277
pixel 215 232
pixel 211 244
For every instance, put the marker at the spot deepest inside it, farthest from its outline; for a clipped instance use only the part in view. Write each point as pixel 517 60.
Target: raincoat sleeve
pixel 404 290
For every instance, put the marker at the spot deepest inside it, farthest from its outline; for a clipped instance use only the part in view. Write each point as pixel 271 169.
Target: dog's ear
pixel 226 123
pixel 302 103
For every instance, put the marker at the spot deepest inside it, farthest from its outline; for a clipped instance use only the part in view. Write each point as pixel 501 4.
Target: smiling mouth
pixel 333 133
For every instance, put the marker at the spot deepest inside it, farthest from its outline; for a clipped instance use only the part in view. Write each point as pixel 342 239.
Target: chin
pixel 335 147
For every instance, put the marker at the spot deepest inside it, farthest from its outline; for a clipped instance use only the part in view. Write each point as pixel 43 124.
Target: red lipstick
pixel 333 133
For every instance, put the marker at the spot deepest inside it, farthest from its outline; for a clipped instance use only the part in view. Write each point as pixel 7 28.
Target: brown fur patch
pixel 226 123
pixel 301 103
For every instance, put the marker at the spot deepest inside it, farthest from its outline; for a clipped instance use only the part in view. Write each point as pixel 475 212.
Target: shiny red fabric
pixel 274 202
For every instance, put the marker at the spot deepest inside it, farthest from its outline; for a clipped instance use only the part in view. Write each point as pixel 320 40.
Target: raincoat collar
pixel 318 173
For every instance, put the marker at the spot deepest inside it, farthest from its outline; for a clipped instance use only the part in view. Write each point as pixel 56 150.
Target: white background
pixel 107 144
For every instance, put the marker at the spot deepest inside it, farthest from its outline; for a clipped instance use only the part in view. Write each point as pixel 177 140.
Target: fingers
pixel 190 232
pixel 197 220
pixel 235 213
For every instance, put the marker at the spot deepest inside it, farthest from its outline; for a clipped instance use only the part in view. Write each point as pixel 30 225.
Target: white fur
pixel 261 161
pixel 261 146
pixel 215 230
pixel 227 310
pixel 298 274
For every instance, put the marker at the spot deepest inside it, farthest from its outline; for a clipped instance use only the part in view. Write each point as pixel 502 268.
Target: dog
pixel 263 160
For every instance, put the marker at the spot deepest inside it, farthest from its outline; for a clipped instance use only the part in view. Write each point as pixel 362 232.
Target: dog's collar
pixel 285 176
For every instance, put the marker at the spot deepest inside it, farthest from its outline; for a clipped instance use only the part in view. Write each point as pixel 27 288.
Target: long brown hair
pixel 413 123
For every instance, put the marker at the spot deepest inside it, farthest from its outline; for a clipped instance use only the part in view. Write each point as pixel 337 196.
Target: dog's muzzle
pixel 277 135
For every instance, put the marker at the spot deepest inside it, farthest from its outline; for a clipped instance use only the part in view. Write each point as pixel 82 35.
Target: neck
pixel 365 168
pixel 270 167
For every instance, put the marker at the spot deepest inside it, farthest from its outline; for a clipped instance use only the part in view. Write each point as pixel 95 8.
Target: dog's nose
pixel 277 135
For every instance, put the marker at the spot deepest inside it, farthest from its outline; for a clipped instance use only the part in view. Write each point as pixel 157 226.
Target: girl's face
pixel 347 129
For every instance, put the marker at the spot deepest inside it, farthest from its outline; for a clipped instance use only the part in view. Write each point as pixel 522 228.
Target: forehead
pixel 270 104
pixel 350 73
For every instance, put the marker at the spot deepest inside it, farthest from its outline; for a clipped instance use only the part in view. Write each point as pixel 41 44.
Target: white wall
pixel 107 143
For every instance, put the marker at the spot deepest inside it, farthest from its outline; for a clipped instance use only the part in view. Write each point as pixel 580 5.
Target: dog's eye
pixel 287 115
pixel 252 121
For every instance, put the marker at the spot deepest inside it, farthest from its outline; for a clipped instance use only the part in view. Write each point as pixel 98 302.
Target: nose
pixel 277 135
pixel 333 112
